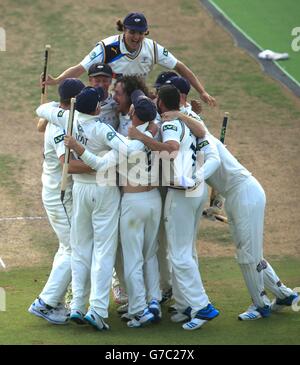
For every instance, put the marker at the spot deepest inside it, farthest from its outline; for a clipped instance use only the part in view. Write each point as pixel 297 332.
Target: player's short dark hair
pixel 170 96
pixel 131 83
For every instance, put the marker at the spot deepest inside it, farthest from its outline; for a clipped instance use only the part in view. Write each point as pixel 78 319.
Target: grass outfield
pixel 224 285
pixel 269 23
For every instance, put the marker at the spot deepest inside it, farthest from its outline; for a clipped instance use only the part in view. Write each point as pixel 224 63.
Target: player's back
pixel 230 173
pixel 184 162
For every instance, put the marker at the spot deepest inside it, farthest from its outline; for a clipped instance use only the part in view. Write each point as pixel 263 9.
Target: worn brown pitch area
pixel 263 130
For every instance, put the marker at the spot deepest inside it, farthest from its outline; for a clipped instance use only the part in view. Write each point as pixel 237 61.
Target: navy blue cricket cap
pixel 69 88
pixel 136 21
pixel 144 107
pixel 87 100
pixel 182 84
pixel 100 68
pixel 163 77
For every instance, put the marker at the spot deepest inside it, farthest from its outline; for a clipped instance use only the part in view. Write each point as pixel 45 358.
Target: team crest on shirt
pixel 80 129
pixel 165 52
pixel 110 135
pixel 170 127
pixel 92 55
pixel 60 113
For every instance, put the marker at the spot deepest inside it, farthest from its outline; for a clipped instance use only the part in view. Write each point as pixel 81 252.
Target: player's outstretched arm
pixel 71 72
pixel 185 72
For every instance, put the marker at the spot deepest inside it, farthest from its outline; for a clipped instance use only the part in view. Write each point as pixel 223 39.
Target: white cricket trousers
pixel 181 216
pixel 60 276
pixel 245 208
pixel 94 236
pixel 162 252
pixel 139 223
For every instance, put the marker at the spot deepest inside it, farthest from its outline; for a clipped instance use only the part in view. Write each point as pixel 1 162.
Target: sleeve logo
pixel 60 113
pixel 165 52
pixel 110 135
pixel 202 144
pixel 169 127
pixel 59 138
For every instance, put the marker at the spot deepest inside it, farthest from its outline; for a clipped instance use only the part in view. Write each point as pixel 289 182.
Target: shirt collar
pixel 123 48
pixel 86 117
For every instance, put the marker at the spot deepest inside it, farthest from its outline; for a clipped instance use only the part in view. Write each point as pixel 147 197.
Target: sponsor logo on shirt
pixel 59 138
pixel 202 144
pixel 169 127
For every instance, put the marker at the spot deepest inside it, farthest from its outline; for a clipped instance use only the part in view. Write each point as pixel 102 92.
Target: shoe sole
pixel 41 315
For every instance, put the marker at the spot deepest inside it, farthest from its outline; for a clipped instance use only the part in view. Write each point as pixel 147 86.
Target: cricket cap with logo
pixel 180 83
pixel 87 100
pixel 100 68
pixel 69 88
pixel 136 21
pixel 144 107
pixel 163 77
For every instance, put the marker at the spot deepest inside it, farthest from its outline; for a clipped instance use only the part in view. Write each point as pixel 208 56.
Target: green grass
pixel 269 23
pixel 224 285
pixel 10 173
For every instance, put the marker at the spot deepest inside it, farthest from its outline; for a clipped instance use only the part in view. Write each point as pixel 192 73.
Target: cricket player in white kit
pixel 139 220
pixel 245 207
pixel 133 54
pixel 100 75
pixel 49 304
pixel 95 209
pixel 181 213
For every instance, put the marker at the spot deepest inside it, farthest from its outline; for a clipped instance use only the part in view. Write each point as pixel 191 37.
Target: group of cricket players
pixel 137 186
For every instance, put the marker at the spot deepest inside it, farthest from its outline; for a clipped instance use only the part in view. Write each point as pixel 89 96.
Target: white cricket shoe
pixel 119 295
pixel 194 324
pixel 40 309
pixel 154 308
pixel 203 315
pixel 77 317
pixel 93 318
pixel 279 304
pixel 123 309
pixel 125 317
pixel 141 319
pixel 254 313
